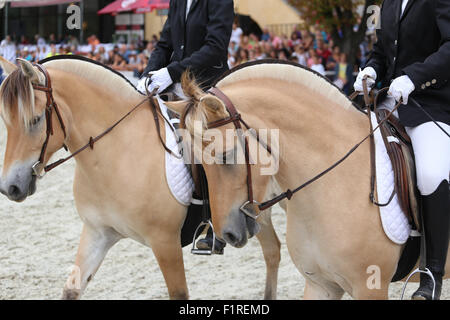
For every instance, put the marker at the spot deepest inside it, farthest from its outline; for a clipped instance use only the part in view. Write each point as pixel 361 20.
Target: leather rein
pixel 237 120
pixel 51 106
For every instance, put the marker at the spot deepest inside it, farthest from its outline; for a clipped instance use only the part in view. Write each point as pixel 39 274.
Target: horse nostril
pixel 13 191
pixel 230 237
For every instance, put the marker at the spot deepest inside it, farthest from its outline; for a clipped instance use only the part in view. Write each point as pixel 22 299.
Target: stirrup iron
pixel 418 270
pixel 203 252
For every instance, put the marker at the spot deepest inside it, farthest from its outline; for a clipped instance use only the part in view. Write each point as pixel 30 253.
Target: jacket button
pixel 434 81
pixel 423 87
pixel 428 84
pixel 182 47
pixel 396 42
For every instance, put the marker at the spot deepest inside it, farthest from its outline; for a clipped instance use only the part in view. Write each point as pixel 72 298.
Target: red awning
pixel 139 6
pixel 40 3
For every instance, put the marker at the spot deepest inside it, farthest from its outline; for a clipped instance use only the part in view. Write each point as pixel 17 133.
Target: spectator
pixel 236 33
pixel 322 51
pixel 149 49
pixel 243 56
pixel 8 49
pixel 333 59
pixel 39 41
pixel 300 55
pixel 266 35
pixel 124 52
pixel 53 51
pixel 119 63
pixel 317 65
pixel 344 74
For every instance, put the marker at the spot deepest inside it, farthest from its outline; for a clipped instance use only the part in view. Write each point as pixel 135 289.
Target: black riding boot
pixel 436 215
pixel 207 243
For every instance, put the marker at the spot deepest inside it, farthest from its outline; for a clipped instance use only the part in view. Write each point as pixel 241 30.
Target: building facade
pixel 46 20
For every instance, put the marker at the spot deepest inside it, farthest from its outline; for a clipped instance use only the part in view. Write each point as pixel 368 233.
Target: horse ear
pixel 177 106
pixel 8 67
pixel 31 72
pixel 213 105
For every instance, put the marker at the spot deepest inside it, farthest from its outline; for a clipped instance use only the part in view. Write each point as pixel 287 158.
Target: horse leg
pixel 94 244
pixel 270 245
pixel 169 255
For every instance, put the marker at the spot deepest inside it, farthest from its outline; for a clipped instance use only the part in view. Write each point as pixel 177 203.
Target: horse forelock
pixel 194 111
pixel 17 95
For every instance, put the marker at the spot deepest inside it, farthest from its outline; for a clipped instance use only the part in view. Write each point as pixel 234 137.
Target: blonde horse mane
pixel 18 89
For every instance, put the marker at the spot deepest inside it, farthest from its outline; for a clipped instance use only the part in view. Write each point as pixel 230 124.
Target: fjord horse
pixel 334 233
pixel 120 188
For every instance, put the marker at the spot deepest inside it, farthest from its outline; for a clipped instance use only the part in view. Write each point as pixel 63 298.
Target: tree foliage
pixel 340 18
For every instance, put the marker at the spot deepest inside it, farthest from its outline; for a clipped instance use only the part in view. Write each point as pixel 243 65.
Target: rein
pixel 236 119
pixel 51 105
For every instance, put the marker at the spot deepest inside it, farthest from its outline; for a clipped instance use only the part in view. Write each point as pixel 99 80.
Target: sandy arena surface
pixel 39 239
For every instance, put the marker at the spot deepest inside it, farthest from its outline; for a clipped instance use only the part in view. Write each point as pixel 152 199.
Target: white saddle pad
pixel 395 224
pixel 178 176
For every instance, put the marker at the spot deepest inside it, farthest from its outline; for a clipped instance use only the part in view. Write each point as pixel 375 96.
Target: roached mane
pixel 17 89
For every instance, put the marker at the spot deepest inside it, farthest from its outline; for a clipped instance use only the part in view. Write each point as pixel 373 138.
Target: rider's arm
pixel 378 58
pixel 221 15
pixel 163 50
pixel 435 68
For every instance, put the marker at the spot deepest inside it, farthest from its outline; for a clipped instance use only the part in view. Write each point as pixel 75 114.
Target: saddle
pixel 399 148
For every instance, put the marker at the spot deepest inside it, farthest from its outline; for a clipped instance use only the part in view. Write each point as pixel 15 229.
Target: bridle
pixel 50 106
pixel 237 120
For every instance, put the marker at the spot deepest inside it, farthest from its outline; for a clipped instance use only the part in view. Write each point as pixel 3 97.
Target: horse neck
pixel 314 131
pixel 89 107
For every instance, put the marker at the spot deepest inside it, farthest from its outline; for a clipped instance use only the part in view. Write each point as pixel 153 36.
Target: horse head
pixel 221 150
pixel 22 109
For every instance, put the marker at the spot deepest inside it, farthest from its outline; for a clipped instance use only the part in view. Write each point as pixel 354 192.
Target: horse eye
pixel 35 120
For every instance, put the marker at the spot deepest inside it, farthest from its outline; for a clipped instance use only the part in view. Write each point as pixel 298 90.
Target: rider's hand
pixel 372 77
pixel 401 88
pixel 158 79
pixel 142 84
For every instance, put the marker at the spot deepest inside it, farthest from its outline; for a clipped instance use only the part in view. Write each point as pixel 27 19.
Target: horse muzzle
pixel 239 228
pixel 19 184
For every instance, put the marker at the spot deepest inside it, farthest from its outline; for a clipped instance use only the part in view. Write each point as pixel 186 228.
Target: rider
pixel 195 37
pixel 413 56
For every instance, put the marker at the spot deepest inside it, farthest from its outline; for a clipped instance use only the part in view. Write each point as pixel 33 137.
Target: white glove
pixel 158 79
pixel 401 88
pixel 142 84
pixel 371 80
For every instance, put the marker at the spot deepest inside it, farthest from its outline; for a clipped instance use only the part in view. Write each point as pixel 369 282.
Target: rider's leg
pixel 207 242
pixel 432 153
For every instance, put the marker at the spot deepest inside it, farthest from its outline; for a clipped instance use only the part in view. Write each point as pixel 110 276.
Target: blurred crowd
pixel 121 57
pixel 314 49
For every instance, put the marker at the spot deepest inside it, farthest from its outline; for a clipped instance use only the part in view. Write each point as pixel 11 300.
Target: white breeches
pixel 431 151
